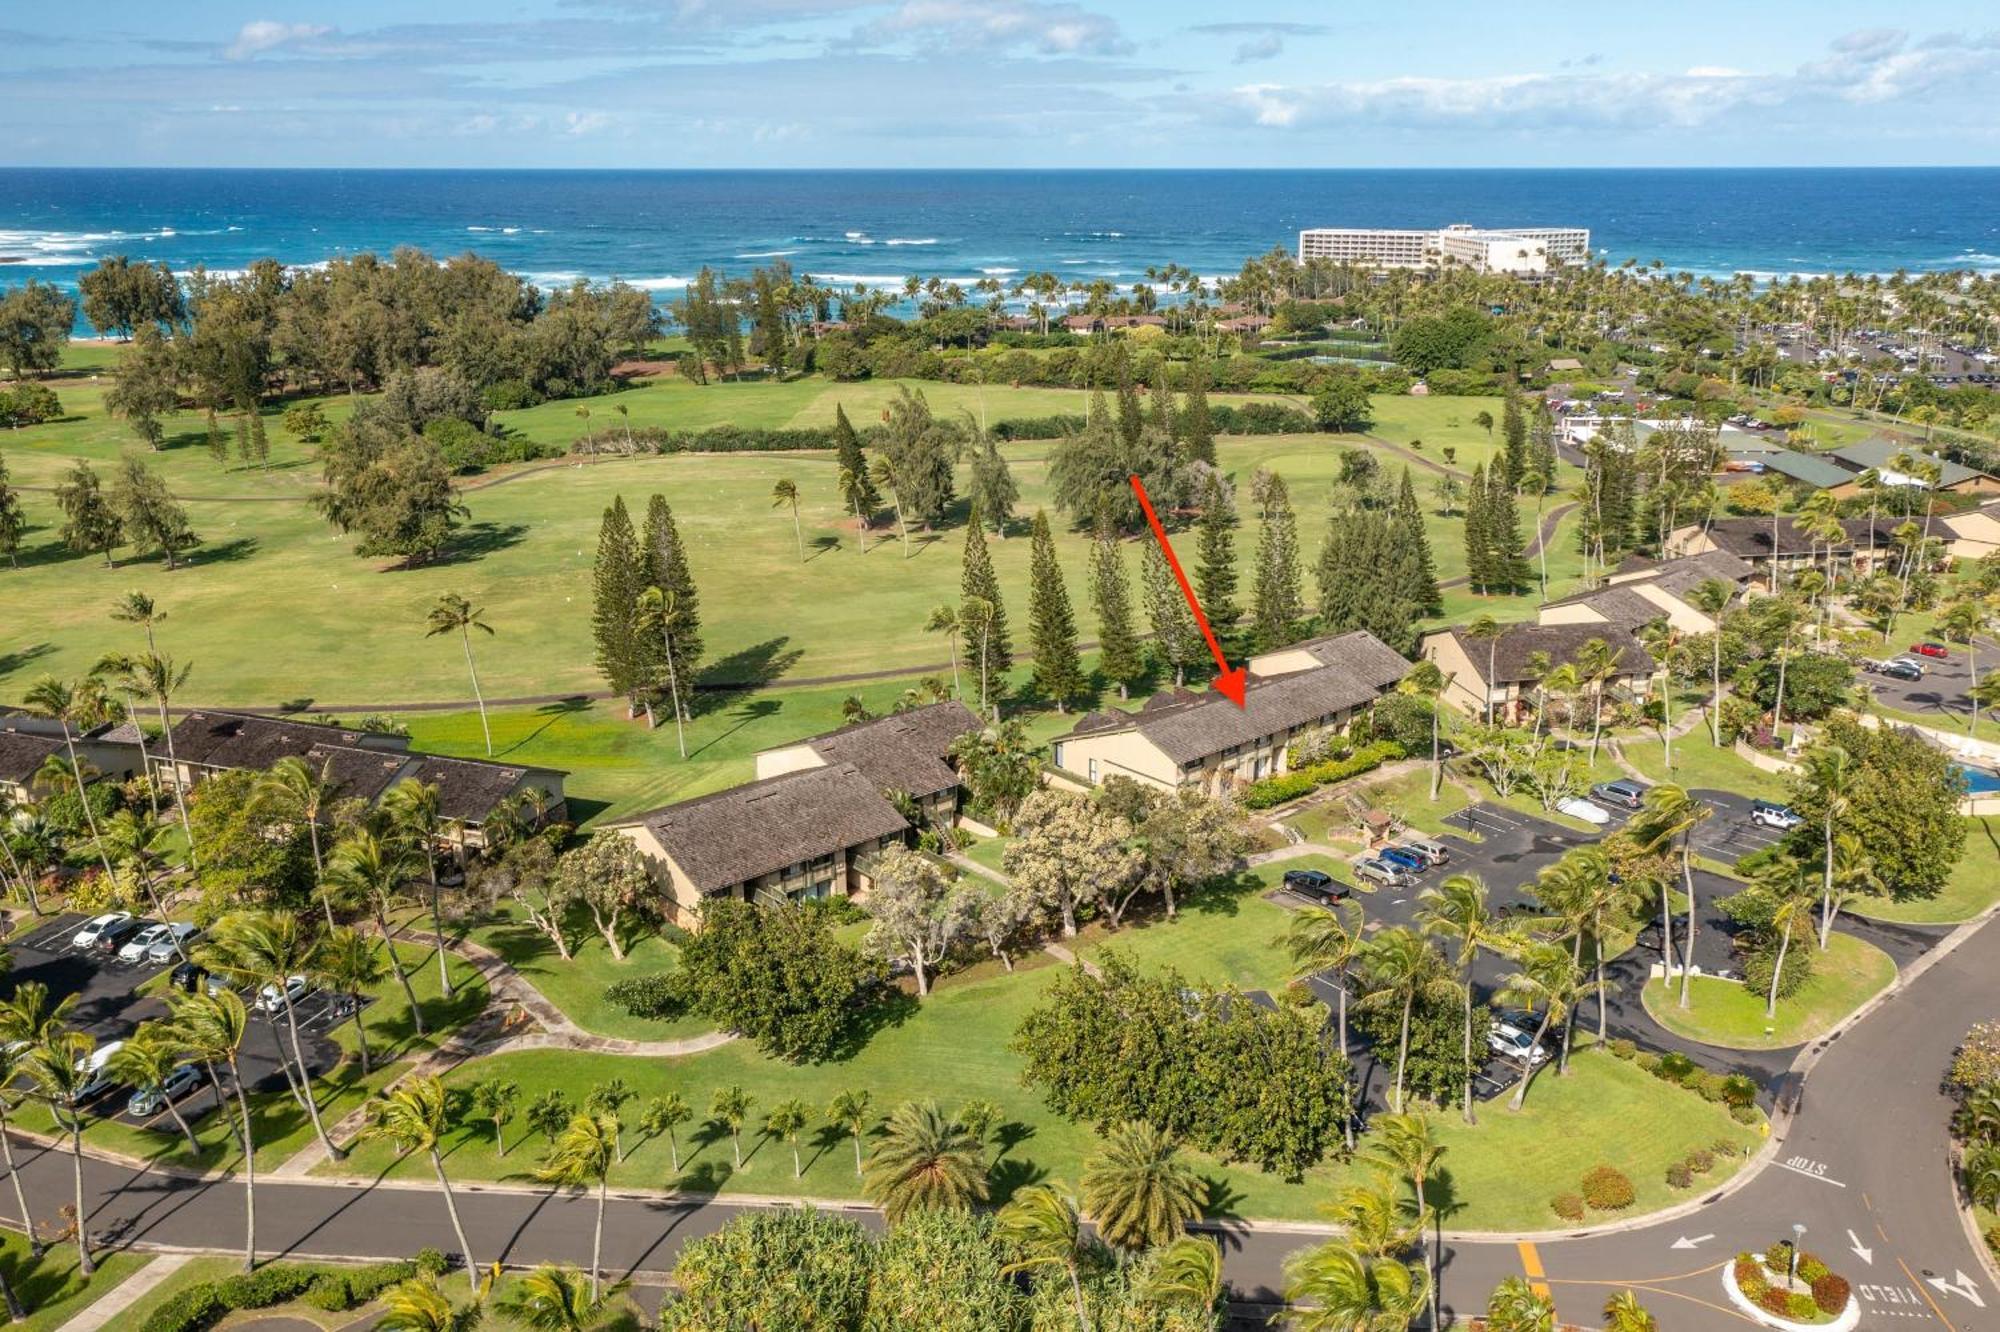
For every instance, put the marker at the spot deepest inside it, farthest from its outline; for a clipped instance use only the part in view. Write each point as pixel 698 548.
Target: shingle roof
pixel 905 751
pixel 1879 451
pixel 768 825
pixel 1512 651
pixel 246 740
pixel 1750 538
pixel 22 755
pixel 1809 468
pixel 1367 657
pixel 1618 604
pixel 355 774
pixel 468 789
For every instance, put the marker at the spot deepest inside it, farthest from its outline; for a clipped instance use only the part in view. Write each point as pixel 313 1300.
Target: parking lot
pixel 1945 689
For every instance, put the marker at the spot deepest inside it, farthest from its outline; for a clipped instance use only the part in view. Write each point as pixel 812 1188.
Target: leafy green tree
pixel 13 522
pixel 1058 669
pixel 1899 798
pixel 1398 968
pixel 1138 1191
pixel 147 387
pixel 858 493
pixel 776 974
pixel 1331 938
pixel 148 513
pixel 941 1270
pixel 1197 423
pixel 673 650
pixel 289 791
pixel 414 1116
pixel 35 323
pixel 1215 560
pixel 790 1267
pixel 390 488
pixel 920 451
pixel 1514 441
pixel 992 490
pixel 923 1161
pixel 1457 910
pixel 1342 404
pixel 1176 637
pixel 90 521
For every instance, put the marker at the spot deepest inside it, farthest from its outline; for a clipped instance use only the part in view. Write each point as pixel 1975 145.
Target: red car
pixel 1930 649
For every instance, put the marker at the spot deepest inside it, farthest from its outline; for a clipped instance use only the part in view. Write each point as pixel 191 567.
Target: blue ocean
pixel 657 228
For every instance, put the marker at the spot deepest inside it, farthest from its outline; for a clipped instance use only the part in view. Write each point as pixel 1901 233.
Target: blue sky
pixel 1051 83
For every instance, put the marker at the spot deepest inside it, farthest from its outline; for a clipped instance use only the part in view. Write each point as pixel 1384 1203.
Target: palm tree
pixel 886 477
pixel 267 948
pixel 163 679
pixel 59 1066
pixel 850 1111
pixel 1489 629
pixel 1334 1288
pixel 136 607
pixel 128 681
pixel 1833 779
pixel 1589 896
pixel 1403 1145
pixel 657 609
pixel 348 963
pixel 664 1114
pixel 1041 1225
pixel 413 1117
pixel 495 1100
pixel 65 702
pixel 787 1120
pixel 730 1107
pixel 787 492
pixel 1596 664
pixel 415 815
pixel 1548 979
pixel 1189 1271
pixel 624 411
pixel 943 619
pixel 1515 1306
pixel 1711 596
pixel 854 490
pixel 147 1059
pixel 211 1027
pixel 290 791
pixel 923 1161
pixel 557 1299
pixel 1399 967
pixel 1671 813
pixel 1457 910
pixel 582 1156
pixel 1329 939
pixel 13 1066
pixel 370 868
pixel 417 1305
pixel 607 1099
pixel 452 613
pixel 1138 1192
pixel 1783 882
pixel 1624 1313
pixel 589 439
pixel 1373 1217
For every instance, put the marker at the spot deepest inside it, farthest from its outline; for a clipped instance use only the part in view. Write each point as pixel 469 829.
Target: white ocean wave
pixel 479 228
pixel 860 279
pixel 510 231
pixel 904 240
pixel 765 254
pixel 999 272
pixel 668 283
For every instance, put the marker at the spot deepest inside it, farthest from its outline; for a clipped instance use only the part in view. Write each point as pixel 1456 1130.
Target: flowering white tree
pixel 1069 853
pixel 919 912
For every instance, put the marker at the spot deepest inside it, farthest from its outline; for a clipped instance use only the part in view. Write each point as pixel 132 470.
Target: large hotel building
pixel 1523 251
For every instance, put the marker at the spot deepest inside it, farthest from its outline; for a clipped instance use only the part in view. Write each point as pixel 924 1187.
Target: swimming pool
pixel 1978 781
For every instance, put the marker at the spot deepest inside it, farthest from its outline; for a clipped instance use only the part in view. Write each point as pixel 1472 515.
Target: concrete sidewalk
pixel 128 1292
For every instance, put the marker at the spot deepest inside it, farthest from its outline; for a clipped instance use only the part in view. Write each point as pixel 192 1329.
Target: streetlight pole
pixel 1798 1241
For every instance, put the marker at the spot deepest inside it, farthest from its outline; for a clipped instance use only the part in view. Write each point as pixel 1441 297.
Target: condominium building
pixel 1523 251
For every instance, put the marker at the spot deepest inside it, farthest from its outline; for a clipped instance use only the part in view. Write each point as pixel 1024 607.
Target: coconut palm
pixel 1138 1191
pixel 1624 1313
pixel 58 1065
pixel 607 1099
pixel 944 620
pixel 1329 939
pixel 665 1114
pixel 924 1160
pixel 350 964
pixel 656 611
pixel 148 1058
pixel 1373 1217
pixel 418 1305
pixel 16 814
pixel 211 1028
pixel 1597 665
pixel 787 1120
pixel 1186 1271
pixel 29 1018
pixel 370 869
pixel 1334 1288
pixel 1398 967
pixel 1783 883
pixel 1485 627
pixel 787 492
pixel 68 702
pixel 1548 979
pixel 136 607
pixel 1588 897
pixel 417 818
pixel 414 1116
pixel 266 948
pixel 1515 1306
pixel 730 1107
pixel 494 1100
pixel 1040 1224
pixel 1832 779
pixel 291 792
pixel 1457 910
pixel 850 1111
pixel 127 678
pixel 581 1156
pixel 854 490
pixel 160 678
pixel 13 1066
pixel 558 1299
pixel 1404 1146
pixel 1711 597
pixel 1672 814
pixel 453 614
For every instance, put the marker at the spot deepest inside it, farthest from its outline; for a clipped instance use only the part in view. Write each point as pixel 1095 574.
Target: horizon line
pixel 1018 170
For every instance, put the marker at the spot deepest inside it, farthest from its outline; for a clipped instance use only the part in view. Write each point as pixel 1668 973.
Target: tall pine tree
pixel 1514 441
pixel 617 578
pixel 1215 553
pixel 1160 407
pixel 1416 571
pixel 993 492
pixel 977 579
pixel 13 523
pixel 1507 567
pixel 665 566
pixel 1197 425
pixel 1118 653
pixel 1058 671
pixel 1176 637
pixel 853 463
pixel 1279 598
pixel 1478 557
pixel 1131 417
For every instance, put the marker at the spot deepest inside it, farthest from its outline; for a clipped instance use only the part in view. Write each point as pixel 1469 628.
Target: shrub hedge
pixel 1568 1206
pixel 333 1289
pixel 1830 1293
pixel 1606 1189
pixel 1277 790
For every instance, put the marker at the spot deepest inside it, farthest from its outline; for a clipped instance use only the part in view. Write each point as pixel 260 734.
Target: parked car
pixel 1579 808
pixel 148 1101
pixel 1315 885
pixel 1509 1040
pixel 179 934
pixel 1408 859
pixel 113 936
pixel 271 999
pixel 135 948
pixel 1901 669
pixel 1622 793
pixel 97 1065
pixel 1385 872
pixel 1436 852
pixel 1930 649
pixel 93 929
pixel 192 977
pixel 1771 814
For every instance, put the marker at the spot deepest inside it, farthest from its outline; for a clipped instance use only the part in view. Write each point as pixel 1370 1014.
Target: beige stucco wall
pixel 1974 535
pixel 1679 614
pixel 791 758
pixel 1118 753
pixel 1463 680
pixel 675 886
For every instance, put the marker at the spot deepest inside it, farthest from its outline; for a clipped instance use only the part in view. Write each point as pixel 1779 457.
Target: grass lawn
pixel 1973 887
pixel 203 1267
pixel 987 851
pixel 1724 1013
pixel 577 986
pixel 333 627
pixel 279 1124
pixel 49 1288
pixel 1699 764
pixel 1225 935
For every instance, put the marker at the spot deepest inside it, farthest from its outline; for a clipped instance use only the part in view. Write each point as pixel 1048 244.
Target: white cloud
pixel 1049 29
pixel 261 35
pixel 585 122
pixel 1267 47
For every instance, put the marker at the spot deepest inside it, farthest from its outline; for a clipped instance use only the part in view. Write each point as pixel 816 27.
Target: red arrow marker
pixel 1230 683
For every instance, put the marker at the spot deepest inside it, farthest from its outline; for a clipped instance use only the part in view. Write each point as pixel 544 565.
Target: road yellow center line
pixel 1531 1263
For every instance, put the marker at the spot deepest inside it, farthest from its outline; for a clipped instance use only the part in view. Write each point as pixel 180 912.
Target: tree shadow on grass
pixel 1006 1178
pixel 822 545
pixel 232 551
pixel 825 1139
pixel 752 667
pixel 476 542
pixel 19 659
pixel 550 713
pixel 752 710
pixel 889 1007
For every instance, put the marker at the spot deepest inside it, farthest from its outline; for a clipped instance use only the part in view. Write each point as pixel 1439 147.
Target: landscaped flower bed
pixel 1808 1294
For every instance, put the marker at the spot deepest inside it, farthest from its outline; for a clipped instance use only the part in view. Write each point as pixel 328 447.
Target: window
pixel 1059 754
pixel 1093 770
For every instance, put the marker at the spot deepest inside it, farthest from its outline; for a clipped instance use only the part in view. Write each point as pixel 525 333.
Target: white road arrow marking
pixel 1685 1243
pixel 1865 1254
pixel 1962 1285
